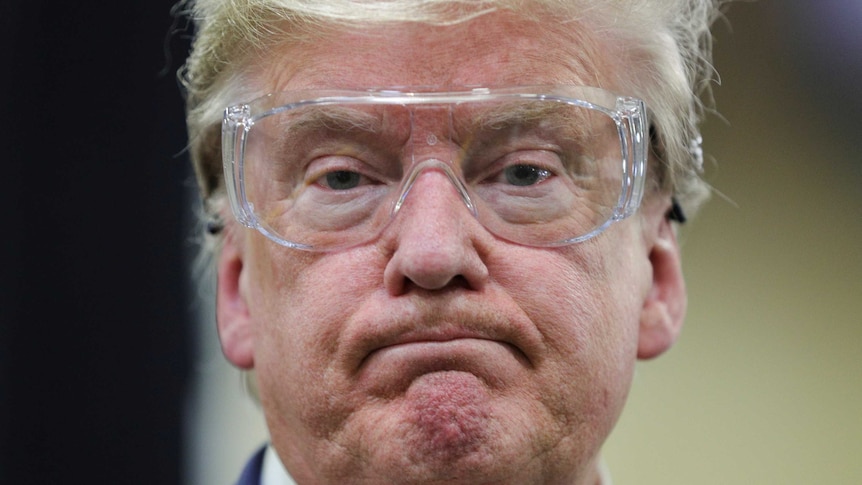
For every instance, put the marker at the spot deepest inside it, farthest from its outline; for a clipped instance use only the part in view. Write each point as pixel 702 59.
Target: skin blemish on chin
pixel 450 412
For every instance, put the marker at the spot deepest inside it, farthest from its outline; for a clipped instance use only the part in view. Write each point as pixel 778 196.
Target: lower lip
pixel 392 369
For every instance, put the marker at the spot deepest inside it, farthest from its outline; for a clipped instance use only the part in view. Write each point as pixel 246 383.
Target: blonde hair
pixel 666 45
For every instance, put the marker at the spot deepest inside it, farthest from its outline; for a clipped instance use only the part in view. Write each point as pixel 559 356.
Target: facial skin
pixel 439 353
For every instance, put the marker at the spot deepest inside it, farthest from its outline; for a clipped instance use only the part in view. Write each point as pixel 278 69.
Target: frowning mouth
pixel 391 368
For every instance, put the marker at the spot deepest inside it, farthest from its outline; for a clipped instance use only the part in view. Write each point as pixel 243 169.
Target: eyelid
pixel 492 154
pixel 320 166
pixel 374 168
pixel 494 172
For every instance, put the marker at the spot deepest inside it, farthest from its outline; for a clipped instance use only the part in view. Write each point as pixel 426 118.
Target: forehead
pixel 495 49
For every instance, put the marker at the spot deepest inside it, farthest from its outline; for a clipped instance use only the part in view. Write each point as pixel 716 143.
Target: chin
pixel 450 428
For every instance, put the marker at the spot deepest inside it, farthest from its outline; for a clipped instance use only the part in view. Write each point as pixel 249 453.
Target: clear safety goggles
pixel 541 166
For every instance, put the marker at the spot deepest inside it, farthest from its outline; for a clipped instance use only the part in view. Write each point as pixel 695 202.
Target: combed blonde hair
pixel 666 46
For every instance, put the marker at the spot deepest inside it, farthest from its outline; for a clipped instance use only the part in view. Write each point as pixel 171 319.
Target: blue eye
pixel 341 180
pixel 525 175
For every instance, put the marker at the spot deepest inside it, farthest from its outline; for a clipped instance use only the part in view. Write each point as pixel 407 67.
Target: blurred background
pixel 765 383
pixel 110 369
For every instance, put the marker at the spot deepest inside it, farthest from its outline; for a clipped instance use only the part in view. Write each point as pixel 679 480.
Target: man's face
pixel 438 351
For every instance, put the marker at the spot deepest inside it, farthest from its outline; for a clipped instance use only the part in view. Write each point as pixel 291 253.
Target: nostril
pixel 457 282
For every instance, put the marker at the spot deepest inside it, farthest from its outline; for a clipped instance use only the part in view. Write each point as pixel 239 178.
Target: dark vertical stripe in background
pixel 93 324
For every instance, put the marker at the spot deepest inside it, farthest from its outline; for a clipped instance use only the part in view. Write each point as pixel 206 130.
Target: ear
pixel 664 308
pixel 234 322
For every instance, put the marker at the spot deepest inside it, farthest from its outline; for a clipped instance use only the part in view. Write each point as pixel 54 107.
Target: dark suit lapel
pixel 251 473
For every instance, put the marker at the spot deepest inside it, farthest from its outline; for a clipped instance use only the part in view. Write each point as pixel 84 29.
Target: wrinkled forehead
pixel 494 49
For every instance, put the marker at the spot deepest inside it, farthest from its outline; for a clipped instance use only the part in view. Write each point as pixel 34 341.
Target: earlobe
pixel 665 305
pixel 234 321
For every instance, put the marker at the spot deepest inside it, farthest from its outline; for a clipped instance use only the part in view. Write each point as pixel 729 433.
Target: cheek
pixel 586 298
pixel 301 302
pixel 586 306
pixel 300 299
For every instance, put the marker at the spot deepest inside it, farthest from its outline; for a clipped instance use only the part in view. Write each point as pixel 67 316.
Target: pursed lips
pixel 393 366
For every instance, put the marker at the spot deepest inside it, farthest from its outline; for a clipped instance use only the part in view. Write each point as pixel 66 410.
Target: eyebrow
pixel 515 113
pixel 334 118
pixel 467 121
pixel 523 113
pixel 333 127
pixel 340 118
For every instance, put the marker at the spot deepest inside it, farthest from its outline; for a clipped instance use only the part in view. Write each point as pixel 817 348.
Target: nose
pixel 435 241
